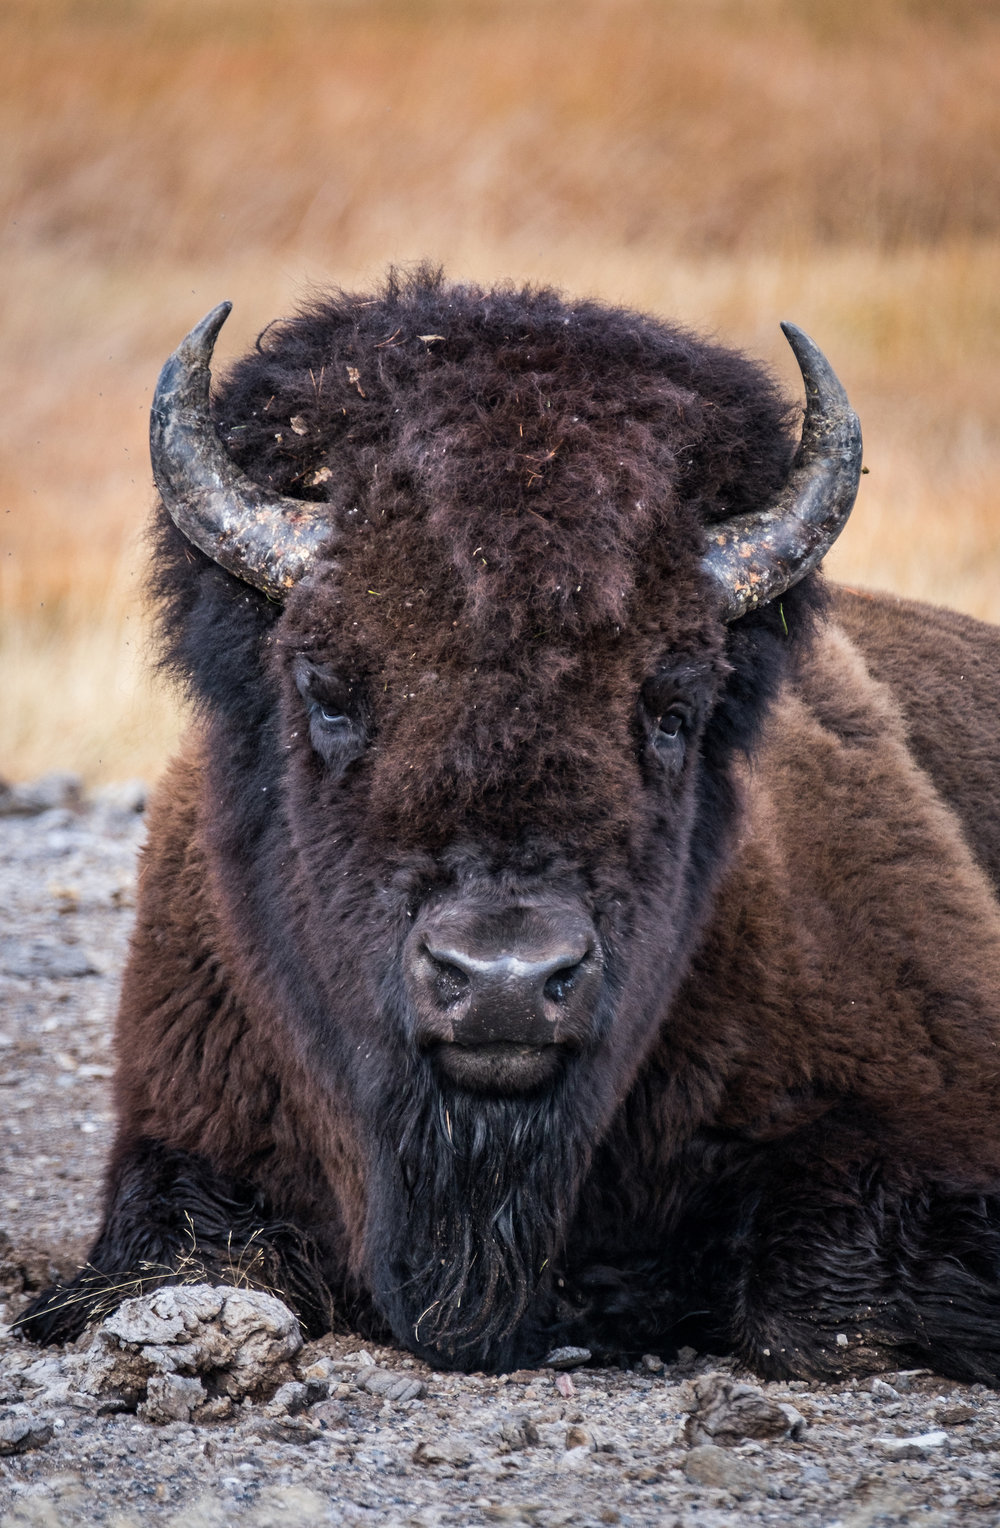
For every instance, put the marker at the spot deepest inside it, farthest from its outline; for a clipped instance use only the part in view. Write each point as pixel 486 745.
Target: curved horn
pixel 264 538
pixel 755 557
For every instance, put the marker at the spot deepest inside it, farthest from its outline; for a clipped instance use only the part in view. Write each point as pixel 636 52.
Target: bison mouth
pixel 504 1067
pixel 502 990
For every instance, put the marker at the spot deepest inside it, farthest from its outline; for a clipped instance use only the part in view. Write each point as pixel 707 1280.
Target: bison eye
pixel 669 726
pixel 669 736
pixel 336 723
pixel 336 736
pixel 330 716
pixel 668 722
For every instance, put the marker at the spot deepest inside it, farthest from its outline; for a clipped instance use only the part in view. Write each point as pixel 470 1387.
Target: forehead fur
pixel 518 463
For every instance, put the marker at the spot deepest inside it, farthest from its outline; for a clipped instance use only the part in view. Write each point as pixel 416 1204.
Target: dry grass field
pixel 728 162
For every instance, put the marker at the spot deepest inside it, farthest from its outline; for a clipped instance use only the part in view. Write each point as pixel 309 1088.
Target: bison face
pixel 496 864
pixel 515 826
pixel 472 748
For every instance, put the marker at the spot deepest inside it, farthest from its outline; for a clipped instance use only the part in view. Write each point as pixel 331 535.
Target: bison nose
pixel 503 988
pixel 523 976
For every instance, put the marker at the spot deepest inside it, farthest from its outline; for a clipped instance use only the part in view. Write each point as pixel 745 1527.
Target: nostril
pixel 451 985
pixel 560 984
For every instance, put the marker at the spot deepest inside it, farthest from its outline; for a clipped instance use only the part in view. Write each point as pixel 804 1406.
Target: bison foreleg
pixel 871 1279
pixel 172 1219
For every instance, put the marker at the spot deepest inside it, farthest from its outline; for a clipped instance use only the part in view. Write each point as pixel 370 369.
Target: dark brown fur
pixel 786 1131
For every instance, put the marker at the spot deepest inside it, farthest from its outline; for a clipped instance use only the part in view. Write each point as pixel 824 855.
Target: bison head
pixel 473 692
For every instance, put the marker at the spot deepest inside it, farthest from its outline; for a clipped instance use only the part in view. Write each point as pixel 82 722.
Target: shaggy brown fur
pixel 784 1128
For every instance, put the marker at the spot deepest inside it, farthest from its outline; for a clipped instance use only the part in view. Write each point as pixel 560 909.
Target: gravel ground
pixel 356 1435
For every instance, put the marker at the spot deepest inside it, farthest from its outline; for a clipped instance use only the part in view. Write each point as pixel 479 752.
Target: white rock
pixel 242 1339
pixel 920 1446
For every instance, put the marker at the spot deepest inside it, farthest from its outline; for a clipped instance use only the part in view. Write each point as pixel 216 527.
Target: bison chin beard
pixel 469 1204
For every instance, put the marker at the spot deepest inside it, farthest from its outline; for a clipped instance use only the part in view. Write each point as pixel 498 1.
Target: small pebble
pixel 392 1386
pixel 709 1465
pixel 442 1451
pixel 954 1413
pixel 567 1358
pixel 18 1434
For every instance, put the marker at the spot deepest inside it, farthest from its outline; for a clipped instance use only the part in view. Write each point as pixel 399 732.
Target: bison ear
pixel 755 557
pixel 265 539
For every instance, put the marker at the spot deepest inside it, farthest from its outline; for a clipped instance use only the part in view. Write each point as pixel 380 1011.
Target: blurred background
pixel 726 162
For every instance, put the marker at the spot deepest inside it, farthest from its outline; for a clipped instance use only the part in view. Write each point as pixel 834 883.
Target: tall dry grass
pixel 731 162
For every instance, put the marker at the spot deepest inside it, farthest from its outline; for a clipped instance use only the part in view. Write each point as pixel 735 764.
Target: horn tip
pixel 798 339
pixel 199 344
pixel 823 386
pixel 207 332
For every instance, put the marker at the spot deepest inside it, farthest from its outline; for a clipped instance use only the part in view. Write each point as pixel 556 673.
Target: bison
pixel 568 920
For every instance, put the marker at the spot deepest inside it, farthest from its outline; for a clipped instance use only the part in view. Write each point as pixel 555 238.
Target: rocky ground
pixel 199 1408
